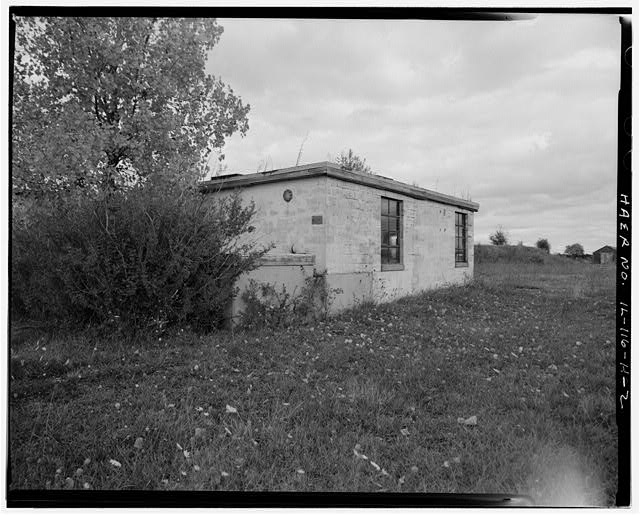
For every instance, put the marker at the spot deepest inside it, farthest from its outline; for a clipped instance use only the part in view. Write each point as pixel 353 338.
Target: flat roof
pixel 329 169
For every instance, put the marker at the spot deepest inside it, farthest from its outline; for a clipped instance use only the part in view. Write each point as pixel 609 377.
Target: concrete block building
pixel 375 238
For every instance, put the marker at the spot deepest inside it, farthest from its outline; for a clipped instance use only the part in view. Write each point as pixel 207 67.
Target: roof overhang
pixel 328 169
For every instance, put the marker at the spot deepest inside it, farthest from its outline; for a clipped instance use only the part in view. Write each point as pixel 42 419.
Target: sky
pixel 520 117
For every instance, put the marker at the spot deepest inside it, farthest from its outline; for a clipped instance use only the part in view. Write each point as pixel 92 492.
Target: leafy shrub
pixel 266 306
pixel 575 250
pixel 543 244
pixel 154 255
pixel 314 301
pixel 350 161
pixel 499 237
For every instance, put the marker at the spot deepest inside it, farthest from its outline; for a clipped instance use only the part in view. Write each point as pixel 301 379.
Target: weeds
pixel 266 306
pixel 533 365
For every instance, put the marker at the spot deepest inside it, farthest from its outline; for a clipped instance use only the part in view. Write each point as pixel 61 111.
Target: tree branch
pixel 143 53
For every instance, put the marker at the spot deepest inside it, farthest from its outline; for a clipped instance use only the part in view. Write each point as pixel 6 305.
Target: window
pixel 461 238
pixel 391 228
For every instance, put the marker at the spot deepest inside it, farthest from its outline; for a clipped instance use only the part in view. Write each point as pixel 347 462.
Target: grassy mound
pixel 514 254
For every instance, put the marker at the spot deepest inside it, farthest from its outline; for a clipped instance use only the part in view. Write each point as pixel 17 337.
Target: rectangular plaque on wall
pixel 316 220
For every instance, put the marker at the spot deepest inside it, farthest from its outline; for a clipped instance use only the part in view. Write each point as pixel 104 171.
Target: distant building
pixel 604 255
pixel 372 237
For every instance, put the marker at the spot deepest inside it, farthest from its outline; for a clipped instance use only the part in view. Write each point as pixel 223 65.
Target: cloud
pixel 587 60
pixel 520 116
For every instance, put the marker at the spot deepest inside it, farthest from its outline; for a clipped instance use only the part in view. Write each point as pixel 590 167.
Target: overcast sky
pixel 519 116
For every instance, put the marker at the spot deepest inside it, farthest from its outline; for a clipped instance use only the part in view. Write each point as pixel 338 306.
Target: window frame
pixel 400 234
pixel 464 217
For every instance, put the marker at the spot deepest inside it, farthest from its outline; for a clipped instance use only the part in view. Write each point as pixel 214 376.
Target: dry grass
pixel 526 349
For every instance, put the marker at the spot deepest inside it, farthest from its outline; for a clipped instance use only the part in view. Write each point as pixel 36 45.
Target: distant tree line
pixel 500 237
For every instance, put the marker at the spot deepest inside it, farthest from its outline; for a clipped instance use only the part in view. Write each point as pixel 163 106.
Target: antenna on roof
pixel 301 147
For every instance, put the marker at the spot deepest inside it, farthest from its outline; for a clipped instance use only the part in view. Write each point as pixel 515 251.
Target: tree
pixel 350 161
pixel 575 250
pixel 106 101
pixel 499 237
pixel 543 244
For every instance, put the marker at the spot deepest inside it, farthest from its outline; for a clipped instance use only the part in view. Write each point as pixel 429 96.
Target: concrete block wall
pixel 288 225
pixel 352 228
pixel 353 245
pixel 285 272
pixel 347 243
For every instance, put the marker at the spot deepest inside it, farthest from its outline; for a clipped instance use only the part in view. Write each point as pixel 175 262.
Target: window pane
pixel 391 231
pixel 461 238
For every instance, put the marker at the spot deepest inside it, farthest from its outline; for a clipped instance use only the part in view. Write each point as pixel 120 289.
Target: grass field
pixel 377 399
